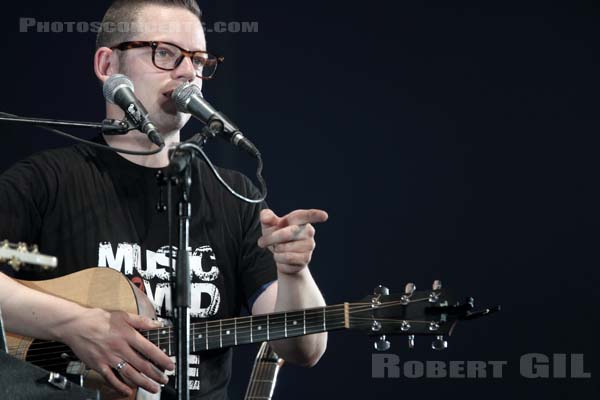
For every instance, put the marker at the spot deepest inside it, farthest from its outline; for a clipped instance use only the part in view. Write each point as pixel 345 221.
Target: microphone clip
pixel 116 127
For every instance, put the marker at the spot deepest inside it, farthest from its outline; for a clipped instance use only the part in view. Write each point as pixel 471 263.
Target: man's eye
pixel 164 53
pixel 199 61
pixel 204 62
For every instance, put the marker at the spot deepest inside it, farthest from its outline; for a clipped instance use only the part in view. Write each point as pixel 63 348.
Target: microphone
pixel 118 89
pixel 188 98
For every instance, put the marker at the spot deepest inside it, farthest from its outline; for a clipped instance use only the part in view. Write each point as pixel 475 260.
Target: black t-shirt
pixel 92 207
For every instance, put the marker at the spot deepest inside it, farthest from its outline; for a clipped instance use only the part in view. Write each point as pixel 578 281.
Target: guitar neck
pixel 222 333
pixel 264 374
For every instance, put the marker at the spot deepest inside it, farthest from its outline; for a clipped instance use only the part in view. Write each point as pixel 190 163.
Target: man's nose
pixel 185 69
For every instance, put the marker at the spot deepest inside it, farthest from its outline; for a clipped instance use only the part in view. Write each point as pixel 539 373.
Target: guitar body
pixel 94 288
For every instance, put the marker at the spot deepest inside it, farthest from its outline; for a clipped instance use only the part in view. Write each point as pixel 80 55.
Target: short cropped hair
pixel 126 11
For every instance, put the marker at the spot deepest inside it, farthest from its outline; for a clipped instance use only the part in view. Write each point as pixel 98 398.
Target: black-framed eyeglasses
pixel 167 56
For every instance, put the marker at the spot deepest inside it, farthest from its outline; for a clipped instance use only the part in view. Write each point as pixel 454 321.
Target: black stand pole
pixel 3 347
pixel 180 169
pixel 182 287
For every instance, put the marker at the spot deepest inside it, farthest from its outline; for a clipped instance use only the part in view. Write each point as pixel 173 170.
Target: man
pixel 91 207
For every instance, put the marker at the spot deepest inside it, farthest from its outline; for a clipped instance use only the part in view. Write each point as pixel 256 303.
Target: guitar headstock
pixel 17 255
pixel 412 313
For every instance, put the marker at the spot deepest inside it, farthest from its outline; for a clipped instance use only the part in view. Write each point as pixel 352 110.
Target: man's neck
pixel 137 141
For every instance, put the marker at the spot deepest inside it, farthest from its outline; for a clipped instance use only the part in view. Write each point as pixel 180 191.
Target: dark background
pixel 447 140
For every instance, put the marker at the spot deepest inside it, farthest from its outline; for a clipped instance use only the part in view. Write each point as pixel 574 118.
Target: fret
pixel 304 321
pixel 169 338
pixel 220 333
pixel 267 327
pixel 228 333
pixel 324 323
pixel 285 324
pixel 162 336
pixel 201 335
pixel 235 330
pixel 259 328
pixel 213 334
pixel 193 329
pixel 277 326
pixel 294 323
pixel 244 330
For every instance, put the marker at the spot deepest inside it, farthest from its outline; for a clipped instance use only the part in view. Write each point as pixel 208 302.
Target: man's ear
pixel 106 63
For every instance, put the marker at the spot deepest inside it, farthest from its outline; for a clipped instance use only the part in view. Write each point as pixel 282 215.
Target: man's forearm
pixel 31 313
pixel 299 291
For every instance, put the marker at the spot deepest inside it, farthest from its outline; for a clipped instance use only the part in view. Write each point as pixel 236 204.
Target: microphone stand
pixel 180 173
pixel 182 286
pixel 3 345
pixel 108 126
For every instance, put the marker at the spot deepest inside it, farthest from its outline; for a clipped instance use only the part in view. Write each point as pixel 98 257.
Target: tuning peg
pixel 377 293
pixel 15 263
pixel 411 341
pixel 376 326
pixel 382 344
pixel 439 343
pixel 434 296
pixel 409 289
pixel 381 290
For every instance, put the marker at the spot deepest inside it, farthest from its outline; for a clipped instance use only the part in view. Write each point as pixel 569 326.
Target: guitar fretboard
pixel 217 334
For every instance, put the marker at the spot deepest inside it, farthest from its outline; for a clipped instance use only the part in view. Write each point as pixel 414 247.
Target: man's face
pixel 153 86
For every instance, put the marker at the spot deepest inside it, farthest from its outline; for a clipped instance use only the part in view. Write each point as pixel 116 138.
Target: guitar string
pixel 58 361
pixel 266 369
pixel 253 373
pixel 314 314
pixel 340 325
pixel 44 346
pixel 355 307
pixel 311 319
pixel 154 334
pixel 317 313
pixel 257 370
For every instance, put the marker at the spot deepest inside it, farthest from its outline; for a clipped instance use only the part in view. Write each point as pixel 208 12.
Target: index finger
pixel 302 217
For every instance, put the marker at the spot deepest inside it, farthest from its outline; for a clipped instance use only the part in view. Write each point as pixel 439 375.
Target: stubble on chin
pixel 170 124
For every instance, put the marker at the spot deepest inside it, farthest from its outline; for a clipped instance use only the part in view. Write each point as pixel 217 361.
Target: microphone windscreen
pixel 113 84
pixel 182 94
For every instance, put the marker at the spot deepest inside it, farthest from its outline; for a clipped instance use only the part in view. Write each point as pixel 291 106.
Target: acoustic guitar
pixel 411 313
